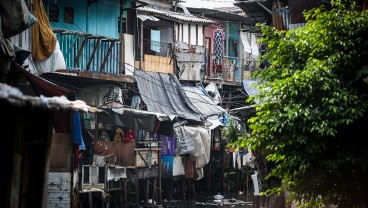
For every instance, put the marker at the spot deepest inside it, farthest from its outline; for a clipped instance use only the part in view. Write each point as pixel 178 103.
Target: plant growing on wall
pixel 313 113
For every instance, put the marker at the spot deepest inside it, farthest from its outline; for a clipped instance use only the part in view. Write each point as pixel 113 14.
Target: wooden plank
pixel 158 64
pixel 147 142
pixel 61 153
pixel 142 159
pixel 147 148
pixel 102 76
pixel 16 180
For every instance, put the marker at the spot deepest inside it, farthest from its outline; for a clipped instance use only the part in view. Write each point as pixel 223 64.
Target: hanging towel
pixel 43 39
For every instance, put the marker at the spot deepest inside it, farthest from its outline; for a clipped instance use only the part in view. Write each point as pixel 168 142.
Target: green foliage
pixel 313 112
pixel 231 133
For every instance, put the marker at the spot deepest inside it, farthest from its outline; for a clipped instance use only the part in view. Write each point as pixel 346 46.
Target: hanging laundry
pixel 218 50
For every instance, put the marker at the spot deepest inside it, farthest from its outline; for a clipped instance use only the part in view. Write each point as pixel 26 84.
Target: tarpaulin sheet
pixel 163 93
pixel 196 141
pixel 144 120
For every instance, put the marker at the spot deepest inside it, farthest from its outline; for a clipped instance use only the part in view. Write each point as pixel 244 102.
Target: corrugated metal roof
pixel 174 16
pixel 202 103
pixel 223 13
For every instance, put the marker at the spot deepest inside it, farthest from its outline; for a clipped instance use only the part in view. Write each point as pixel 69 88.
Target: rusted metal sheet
pixel 102 76
pixel 189 57
pixel 190 70
pixel 61 153
pixel 59 190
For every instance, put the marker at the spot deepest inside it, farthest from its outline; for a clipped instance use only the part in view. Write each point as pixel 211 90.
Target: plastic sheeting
pixel 250 89
pixel 211 89
pixel 144 120
pixel 54 62
pixel 196 141
pixel 163 93
pixel 15 17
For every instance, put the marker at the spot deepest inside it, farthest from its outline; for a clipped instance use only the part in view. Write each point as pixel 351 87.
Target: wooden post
pixel 125 192
pixel 137 191
pixel 122 39
pixel 146 194
pixel 96 129
pixel 80 52
pixel 154 190
pixel 183 189
pixel 142 65
pixel 159 178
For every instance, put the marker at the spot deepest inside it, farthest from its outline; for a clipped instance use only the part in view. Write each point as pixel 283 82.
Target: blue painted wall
pixel 102 17
pixel 234 39
pixel 80 11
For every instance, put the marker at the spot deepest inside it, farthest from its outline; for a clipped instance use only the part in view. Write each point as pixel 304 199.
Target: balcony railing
pixel 230 69
pixel 87 52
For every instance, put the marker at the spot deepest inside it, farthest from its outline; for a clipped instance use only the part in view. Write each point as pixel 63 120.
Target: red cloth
pixel 129 136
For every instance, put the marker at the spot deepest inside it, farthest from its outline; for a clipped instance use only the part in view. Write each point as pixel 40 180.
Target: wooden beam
pixel 102 76
pixel 79 52
pixel 112 44
pixel 97 45
pixel 146 194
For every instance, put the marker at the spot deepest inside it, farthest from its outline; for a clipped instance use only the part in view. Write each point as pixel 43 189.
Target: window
pixel 53 13
pixel 69 15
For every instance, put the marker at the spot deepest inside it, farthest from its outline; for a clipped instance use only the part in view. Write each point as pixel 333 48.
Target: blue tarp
pixel 77 131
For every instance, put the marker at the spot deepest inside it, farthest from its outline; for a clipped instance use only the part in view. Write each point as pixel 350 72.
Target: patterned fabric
pixel 218 49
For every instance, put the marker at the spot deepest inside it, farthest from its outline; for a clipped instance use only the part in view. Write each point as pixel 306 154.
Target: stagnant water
pixel 212 201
